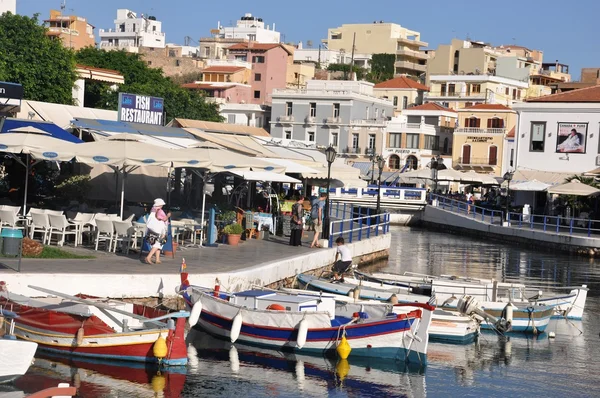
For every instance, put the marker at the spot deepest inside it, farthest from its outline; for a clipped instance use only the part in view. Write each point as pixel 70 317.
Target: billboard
pixel 571 137
pixel 136 108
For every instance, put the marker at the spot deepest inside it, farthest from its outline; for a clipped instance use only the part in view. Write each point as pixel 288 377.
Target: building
pixel 589 77
pixel 298 73
pixel 419 134
pixel 229 71
pixel 480 136
pixel 8 6
pixel 249 28
pixel 382 38
pixel 324 57
pixel 460 91
pixel 246 114
pixel 74 32
pixel 215 47
pixel 174 60
pixel 269 67
pixel 402 91
pixel 132 32
pixel 111 78
pixel 345 114
pixel 223 92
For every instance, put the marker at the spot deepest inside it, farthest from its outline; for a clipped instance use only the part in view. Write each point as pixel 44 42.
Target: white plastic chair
pixel 123 234
pixel 15 209
pixel 39 223
pixel 105 231
pixel 59 225
pixel 84 223
pixel 54 212
pixel 8 218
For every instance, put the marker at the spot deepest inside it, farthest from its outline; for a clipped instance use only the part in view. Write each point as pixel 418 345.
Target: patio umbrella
pixel 484 179
pixel 573 188
pixel 533 186
pixel 32 141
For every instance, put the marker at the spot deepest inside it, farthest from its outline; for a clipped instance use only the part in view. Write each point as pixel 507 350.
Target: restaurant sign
pixel 11 90
pixel 479 139
pixel 135 108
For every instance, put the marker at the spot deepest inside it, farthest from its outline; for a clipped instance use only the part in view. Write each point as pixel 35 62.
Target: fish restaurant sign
pixel 136 108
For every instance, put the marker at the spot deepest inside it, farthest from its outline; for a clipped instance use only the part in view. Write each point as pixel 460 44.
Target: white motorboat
pixel 16 356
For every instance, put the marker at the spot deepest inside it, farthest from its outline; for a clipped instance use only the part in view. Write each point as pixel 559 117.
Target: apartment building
pixel 325 57
pixel 249 28
pixel 74 32
pixel 269 67
pixel 132 32
pixel 174 60
pixel 8 6
pixel 479 140
pixel 404 92
pixel 345 114
pixel 246 114
pixel 382 38
pixel 419 134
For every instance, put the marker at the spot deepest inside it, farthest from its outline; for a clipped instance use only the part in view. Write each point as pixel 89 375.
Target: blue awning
pixel 112 126
pixel 50 128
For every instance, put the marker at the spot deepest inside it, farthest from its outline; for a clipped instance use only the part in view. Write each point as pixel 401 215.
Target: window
pixel 149 63
pixel 394 162
pixel 376 113
pixel 289 108
pixel 172 53
pixel 475 88
pixel 395 101
pixel 495 123
pixel 443 89
pixel 177 62
pixel 404 102
pixel 451 89
pixel 514 96
pixel 372 142
pixel 412 141
pixel 538 136
pixel 231 119
pixel 288 135
pixel 258 59
pixel 257 77
pixel 507 91
pixel 336 110
pixel 472 122
pixel 395 139
pixel 336 36
pixel 334 140
pixel 313 109
pixel 493 155
pixel 466 154
pixel 256 94
pixel 446 145
pixel 310 136
pixel 432 142
pixel 355 141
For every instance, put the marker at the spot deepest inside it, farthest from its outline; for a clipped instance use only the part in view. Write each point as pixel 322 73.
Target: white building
pixel 8 6
pixel 250 28
pixel 325 57
pixel 132 31
pixel 252 115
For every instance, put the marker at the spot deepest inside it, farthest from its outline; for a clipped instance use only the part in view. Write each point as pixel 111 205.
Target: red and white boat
pixel 97 328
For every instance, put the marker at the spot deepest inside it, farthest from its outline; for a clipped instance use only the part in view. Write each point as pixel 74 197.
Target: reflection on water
pixel 493 366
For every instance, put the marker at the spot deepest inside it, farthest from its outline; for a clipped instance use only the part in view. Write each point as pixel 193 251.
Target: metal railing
pixel 356 228
pixel 556 224
pixel 477 212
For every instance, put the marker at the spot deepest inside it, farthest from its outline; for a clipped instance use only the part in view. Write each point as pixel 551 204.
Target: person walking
pixel 296 222
pixel 316 213
pixel 156 230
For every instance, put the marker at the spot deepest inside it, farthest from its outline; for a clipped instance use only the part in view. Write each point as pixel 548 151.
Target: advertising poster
pixel 571 137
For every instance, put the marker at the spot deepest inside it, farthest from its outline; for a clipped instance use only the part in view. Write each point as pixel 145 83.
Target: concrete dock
pixel 255 262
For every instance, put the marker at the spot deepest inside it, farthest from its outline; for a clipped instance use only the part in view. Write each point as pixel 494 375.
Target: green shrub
pixel 233 229
pixel 74 187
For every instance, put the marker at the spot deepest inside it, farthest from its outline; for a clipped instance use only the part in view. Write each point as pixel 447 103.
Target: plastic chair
pixel 15 209
pixel 39 223
pixel 105 232
pixel 123 233
pixel 54 212
pixel 59 225
pixel 84 222
pixel 8 218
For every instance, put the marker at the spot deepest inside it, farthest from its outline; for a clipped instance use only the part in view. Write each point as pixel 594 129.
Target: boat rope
pixel 530 310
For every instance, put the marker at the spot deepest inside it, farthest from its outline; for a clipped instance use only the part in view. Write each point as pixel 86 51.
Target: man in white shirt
pixel 343 259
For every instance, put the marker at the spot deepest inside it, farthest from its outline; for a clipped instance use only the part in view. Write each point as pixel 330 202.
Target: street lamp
pixel 381 165
pixel 437 163
pixel 507 177
pixel 372 158
pixel 330 155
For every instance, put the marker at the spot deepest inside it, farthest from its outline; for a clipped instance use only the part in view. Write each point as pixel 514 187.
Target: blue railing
pixel 556 224
pixel 477 212
pixel 343 223
pixel 398 193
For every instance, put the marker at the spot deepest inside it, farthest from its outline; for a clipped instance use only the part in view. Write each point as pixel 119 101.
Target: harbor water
pixel 495 366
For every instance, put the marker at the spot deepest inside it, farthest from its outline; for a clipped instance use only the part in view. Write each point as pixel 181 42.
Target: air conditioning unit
pixel 598 160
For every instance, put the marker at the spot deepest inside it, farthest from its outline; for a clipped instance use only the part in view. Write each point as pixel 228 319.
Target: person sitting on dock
pixel 343 260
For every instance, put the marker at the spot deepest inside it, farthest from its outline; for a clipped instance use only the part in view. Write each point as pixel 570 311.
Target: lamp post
pixel 372 157
pixel 330 155
pixel 507 177
pixel 381 165
pixel 437 163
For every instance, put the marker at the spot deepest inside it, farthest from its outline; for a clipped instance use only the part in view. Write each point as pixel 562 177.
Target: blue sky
pixel 564 30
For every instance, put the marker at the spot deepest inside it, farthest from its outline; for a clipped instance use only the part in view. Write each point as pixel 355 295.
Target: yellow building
pixel 402 91
pixel 299 73
pixel 226 73
pixel 382 38
pixel 74 32
pixel 478 142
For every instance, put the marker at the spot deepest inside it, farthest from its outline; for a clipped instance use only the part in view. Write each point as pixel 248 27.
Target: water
pixel 494 367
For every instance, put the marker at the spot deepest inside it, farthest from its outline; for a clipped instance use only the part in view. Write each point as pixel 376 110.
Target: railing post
pixel 360 226
pixel 368 227
pixel 571 227
pixel 483 215
pixel 557 224
pixel 531 221
pixel 545 223
pixel 589 228
pixel 389 220
pixel 351 229
pixel 520 220
pixel 344 211
pixel 331 234
pixel 377 225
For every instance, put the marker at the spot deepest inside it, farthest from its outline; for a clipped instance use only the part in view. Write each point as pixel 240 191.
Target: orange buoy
pixel 276 307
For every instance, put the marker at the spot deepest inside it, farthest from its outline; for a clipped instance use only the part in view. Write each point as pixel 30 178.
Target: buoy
pixel 80 334
pixel 234 359
pixel 509 313
pixel 276 307
pixel 158 382
pixel 236 327
pixel 342 368
pixel 551 335
pixel 195 314
pixel 159 349
pixel 216 292
pixel 343 349
pixel 302 333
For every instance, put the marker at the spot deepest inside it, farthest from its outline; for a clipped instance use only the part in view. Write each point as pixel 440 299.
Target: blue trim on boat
pixel 444 338
pixel 165 362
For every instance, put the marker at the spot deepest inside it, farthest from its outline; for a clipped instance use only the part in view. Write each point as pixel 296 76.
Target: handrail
pixel 478 213
pixel 556 224
pixel 380 223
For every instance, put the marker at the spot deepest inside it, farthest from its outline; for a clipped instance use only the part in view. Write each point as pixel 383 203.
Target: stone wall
pixel 171 65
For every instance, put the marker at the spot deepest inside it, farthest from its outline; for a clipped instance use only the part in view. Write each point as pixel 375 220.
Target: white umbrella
pixel 533 186
pixel 573 188
pixel 484 179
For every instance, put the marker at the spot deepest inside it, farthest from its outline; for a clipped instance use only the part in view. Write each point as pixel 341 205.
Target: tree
pixel 382 67
pixel 141 79
pixel 360 72
pixel 42 65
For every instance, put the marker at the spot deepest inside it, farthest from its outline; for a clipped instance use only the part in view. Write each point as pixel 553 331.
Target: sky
pixel 566 31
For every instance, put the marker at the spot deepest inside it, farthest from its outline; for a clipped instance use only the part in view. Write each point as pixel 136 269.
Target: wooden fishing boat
pixel 15 356
pixel 97 328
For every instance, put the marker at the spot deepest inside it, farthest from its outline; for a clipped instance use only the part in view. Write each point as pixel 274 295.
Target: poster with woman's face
pixel 571 137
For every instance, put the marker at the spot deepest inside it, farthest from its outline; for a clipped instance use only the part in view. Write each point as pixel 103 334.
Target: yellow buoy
pixel 158 383
pixel 342 368
pixel 343 349
pixel 160 348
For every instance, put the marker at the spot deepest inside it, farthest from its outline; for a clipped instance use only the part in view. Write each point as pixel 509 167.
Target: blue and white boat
pixel 16 356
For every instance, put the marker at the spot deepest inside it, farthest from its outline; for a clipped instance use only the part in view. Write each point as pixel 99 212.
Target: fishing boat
pixel 97 328
pixel 569 304
pixel 309 324
pixel 15 356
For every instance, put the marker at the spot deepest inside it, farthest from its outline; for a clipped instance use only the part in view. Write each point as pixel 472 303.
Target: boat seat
pixel 339 321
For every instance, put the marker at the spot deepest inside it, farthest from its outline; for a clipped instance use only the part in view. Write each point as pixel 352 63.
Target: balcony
pixel 310 120
pixel 412 42
pixel 368 123
pixel 333 121
pixel 416 128
pixel 456 95
pixel 410 66
pixel 410 53
pixel 475 161
pixel 286 119
pixel 369 151
pixel 478 130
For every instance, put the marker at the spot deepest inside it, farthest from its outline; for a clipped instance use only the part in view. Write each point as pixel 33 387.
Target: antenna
pixel 63 5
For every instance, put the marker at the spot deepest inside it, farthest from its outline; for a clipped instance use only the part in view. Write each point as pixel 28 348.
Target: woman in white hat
pixel 156 230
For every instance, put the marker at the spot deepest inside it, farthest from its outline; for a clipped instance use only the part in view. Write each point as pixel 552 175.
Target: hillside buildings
pixel 74 32
pixel 402 91
pixel 132 31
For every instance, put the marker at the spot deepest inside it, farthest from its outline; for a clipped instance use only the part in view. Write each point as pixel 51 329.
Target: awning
pixel 532 186
pixel 50 128
pixel 265 176
pixel 60 114
pixel 291 166
pixel 547 177
pixel 574 187
pixel 204 136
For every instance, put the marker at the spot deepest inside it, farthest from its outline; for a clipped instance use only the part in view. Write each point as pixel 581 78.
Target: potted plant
pixel 234 233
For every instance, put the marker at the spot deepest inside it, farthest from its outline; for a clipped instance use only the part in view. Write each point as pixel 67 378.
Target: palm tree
pixel 587 180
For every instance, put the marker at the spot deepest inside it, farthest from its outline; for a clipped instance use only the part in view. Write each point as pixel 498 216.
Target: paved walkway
pixel 223 258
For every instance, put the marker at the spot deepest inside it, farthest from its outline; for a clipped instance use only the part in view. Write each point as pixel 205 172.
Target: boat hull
pixel 15 358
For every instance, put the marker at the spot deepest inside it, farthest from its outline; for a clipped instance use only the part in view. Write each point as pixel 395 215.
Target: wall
pixel 299 74
pixel 508 67
pixel 590 75
pixel 159 58
pixel 471 59
pixel 273 71
pixel 414 97
pixel 370 38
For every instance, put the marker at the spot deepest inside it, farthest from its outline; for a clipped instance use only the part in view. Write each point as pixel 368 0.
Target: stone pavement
pixel 223 258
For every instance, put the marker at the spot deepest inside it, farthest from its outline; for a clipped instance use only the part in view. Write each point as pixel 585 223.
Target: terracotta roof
pixel 402 82
pixel 222 69
pixel 258 46
pixel 205 86
pixel 490 107
pixel 511 133
pixel 430 106
pixel 587 94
